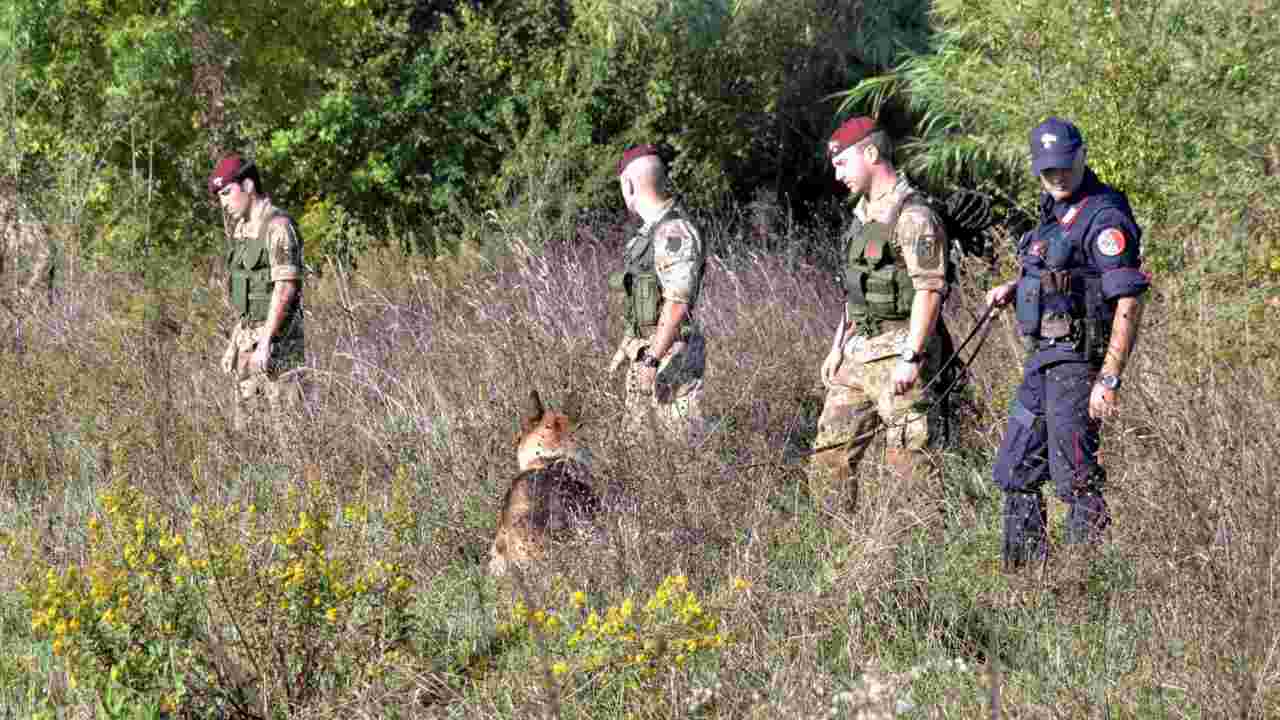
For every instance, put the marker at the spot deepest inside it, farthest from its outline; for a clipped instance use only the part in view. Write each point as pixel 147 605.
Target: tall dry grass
pixel 420 368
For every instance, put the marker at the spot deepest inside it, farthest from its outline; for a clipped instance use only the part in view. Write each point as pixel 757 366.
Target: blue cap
pixel 1054 143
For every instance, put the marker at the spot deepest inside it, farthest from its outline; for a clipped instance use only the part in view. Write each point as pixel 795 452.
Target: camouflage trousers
pixel 674 405
pixel 861 404
pixel 282 389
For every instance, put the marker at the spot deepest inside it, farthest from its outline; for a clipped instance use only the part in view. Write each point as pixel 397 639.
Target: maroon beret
pixel 635 152
pixel 853 131
pixel 229 169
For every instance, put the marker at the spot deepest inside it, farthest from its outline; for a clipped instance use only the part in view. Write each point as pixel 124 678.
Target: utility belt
pixel 1084 336
pixel 1071 334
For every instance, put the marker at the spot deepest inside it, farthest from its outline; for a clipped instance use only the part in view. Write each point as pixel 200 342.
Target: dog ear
pixel 573 409
pixel 532 412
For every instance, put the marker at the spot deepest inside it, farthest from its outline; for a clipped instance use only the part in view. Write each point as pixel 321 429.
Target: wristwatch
pixel 644 358
pixel 909 356
pixel 1110 382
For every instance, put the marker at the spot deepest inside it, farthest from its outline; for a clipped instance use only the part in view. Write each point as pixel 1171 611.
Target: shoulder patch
pixel 1111 242
pixel 927 252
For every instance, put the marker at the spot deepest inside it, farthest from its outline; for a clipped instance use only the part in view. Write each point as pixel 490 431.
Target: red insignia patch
pixel 1111 242
pixel 1074 213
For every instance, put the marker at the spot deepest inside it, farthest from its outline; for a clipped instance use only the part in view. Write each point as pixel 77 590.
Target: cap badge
pixel 1047 140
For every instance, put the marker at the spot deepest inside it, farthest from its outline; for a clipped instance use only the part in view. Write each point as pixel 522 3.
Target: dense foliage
pixel 399 118
pixel 1177 102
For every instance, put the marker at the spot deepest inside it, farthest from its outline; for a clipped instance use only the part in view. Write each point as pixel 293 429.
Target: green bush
pixel 1172 98
pixel 239 607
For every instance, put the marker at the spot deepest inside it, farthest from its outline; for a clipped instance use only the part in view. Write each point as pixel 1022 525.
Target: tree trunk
pixel 209 83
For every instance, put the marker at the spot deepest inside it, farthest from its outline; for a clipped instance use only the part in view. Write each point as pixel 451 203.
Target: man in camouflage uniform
pixel 264 266
pixel 663 264
pixel 891 342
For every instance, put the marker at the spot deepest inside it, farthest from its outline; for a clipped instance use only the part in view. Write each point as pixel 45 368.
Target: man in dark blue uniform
pixel 1078 299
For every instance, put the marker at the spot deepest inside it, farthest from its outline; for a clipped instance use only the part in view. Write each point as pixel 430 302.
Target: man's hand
pixel 646 378
pixel 1102 402
pixel 1000 295
pixel 627 352
pixel 261 356
pixel 905 375
pixel 831 365
pixel 228 363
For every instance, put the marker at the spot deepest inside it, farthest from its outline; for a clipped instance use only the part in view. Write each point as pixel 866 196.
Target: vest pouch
pixel 1028 304
pixel 881 295
pixel 259 304
pixel 1056 319
pixel 645 299
pixel 905 291
pixel 618 281
pixel 1097 321
pixel 238 290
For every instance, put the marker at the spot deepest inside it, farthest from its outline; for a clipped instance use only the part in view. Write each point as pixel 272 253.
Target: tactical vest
pixel 249 270
pixel 1060 299
pixel 876 284
pixel 639 280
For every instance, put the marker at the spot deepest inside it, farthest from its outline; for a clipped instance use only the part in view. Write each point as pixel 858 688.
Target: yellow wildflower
pixel 560 668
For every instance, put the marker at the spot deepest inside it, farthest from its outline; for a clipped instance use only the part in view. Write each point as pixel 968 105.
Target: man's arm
pixel 1116 251
pixel 925 308
pixel 677 257
pixel 923 242
pixel 1124 335
pixel 835 356
pixel 672 315
pixel 282 294
pixel 286 283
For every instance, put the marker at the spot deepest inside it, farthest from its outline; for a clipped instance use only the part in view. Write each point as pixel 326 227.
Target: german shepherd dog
pixel 551 494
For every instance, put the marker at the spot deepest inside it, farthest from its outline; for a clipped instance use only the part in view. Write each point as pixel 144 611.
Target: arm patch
pixel 1112 242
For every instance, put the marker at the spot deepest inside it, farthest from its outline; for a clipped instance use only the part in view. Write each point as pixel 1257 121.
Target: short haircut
pixel 648 171
pixel 882 143
pixel 252 174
